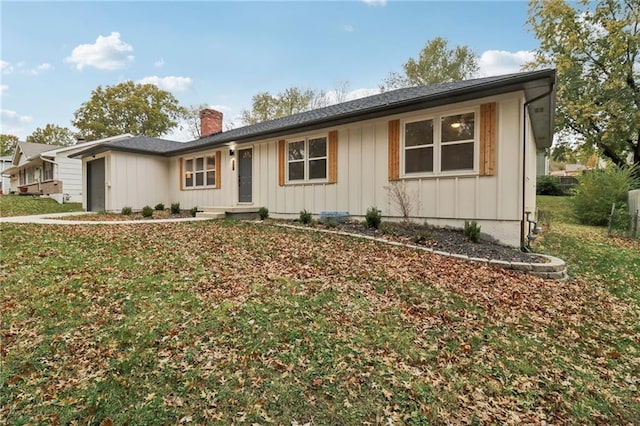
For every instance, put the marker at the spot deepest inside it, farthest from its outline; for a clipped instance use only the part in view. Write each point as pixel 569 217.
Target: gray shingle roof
pixel 139 144
pixel 387 103
pixel 30 149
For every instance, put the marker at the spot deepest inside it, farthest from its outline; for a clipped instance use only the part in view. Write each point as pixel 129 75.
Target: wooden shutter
pixel 218 169
pixel 181 176
pixel 488 142
pixel 394 149
pixel 333 156
pixel 281 153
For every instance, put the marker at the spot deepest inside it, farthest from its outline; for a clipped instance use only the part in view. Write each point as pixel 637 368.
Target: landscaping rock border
pixel 554 269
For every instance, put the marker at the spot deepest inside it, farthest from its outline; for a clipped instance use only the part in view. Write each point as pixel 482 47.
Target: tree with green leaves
pixel 266 106
pixel 436 63
pixel 139 109
pixel 8 144
pixel 52 134
pixel 595 47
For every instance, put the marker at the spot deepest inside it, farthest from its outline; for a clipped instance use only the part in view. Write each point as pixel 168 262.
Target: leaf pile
pixel 223 322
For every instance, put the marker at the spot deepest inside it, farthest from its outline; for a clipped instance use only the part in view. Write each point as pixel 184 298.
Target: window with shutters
pixel 307 159
pixel 200 171
pixel 440 144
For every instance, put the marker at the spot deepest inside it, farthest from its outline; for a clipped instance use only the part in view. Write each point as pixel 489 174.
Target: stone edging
pixel 554 269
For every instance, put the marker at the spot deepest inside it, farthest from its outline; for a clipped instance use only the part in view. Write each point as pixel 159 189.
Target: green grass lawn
pixel 590 253
pixel 232 322
pixel 18 205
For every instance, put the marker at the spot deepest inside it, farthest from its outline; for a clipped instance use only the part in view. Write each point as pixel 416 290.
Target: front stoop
pixel 243 213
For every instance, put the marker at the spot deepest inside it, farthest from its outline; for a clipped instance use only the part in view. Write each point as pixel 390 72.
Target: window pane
pixel 211 162
pixel 200 163
pixel 211 178
pixel 318 169
pixel 296 150
pixel 189 165
pixel 189 180
pixel 199 179
pixel 418 160
pixel 317 147
pixel 296 170
pixel 458 127
pixel 457 157
pixel 418 133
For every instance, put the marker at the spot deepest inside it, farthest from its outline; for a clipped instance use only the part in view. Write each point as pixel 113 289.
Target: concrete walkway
pixel 52 219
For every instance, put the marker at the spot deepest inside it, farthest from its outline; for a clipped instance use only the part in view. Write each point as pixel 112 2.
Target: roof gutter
pixel 524 160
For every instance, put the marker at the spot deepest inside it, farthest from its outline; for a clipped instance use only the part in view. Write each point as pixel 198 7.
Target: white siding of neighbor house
pixel 69 171
pixel 494 201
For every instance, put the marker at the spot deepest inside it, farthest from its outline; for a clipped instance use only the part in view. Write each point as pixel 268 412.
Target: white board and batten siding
pixel 132 180
pixel 362 176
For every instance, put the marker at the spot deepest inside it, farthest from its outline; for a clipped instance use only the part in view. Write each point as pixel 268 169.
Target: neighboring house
pixel 465 151
pixel 49 170
pixel 5 183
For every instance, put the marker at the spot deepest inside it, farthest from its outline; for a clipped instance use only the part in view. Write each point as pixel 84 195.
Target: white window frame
pixel 47 165
pixel 204 171
pixel 307 159
pixel 437 144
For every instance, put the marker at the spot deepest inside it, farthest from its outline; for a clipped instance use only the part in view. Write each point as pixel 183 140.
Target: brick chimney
pixel 210 122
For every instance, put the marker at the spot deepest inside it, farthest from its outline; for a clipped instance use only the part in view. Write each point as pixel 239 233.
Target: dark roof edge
pixel 506 85
pixel 104 148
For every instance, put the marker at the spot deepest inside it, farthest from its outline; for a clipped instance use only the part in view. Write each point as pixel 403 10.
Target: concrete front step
pixel 228 212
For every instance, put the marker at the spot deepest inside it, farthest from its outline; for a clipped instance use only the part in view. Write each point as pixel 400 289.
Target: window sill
pixel 198 188
pixel 470 173
pixel 308 183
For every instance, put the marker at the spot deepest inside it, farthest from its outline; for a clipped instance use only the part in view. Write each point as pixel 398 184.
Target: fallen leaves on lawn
pixel 245 323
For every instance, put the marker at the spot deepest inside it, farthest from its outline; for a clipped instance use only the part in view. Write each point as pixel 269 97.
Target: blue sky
pixel 221 53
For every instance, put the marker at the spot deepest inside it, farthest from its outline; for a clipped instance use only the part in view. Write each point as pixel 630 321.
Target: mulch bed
pixel 442 239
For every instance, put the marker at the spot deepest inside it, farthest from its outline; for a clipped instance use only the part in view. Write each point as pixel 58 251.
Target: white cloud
pixel 7 114
pixel 333 97
pixel 5 67
pixel 159 63
pixel 3 89
pixel 40 68
pixel 107 53
pixel 375 2
pixel 169 83
pixel 496 62
pixel 348 28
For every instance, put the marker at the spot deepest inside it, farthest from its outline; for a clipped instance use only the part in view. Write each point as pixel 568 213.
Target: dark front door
pixel 245 169
pixel 95 185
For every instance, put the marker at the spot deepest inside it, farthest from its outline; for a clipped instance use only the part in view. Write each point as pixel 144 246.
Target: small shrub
pixel 598 190
pixel 422 236
pixel 193 211
pixel 305 217
pixel 621 220
pixel 331 223
pixel 147 211
pixel 373 217
pixel 548 185
pixel 263 212
pixel 472 230
pixel 175 208
pixel 159 207
pixel 126 211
